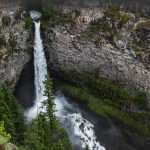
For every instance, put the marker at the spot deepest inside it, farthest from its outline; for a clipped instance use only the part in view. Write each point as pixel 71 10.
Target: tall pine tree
pixel 45 132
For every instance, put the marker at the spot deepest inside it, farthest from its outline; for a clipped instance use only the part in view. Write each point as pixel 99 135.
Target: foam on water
pixel 80 130
pixel 35 15
pixel 40 71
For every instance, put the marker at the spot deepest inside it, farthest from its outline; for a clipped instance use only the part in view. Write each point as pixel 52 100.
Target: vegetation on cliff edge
pixel 42 133
pixel 105 107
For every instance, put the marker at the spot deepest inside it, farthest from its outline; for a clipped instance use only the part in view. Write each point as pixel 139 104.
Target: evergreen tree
pixel 45 132
pixel 12 115
pixel 50 105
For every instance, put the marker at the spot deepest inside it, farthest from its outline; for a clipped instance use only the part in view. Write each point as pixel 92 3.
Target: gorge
pixel 81 136
pixel 98 58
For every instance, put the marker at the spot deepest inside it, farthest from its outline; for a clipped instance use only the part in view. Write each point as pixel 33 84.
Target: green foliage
pixel 4 137
pixel 125 18
pixel 3 133
pixel 2 41
pixel 107 89
pixel 66 18
pixel 77 93
pixel 104 107
pixel 50 106
pixel 52 18
pixel 5 20
pixel 110 90
pixel 141 100
pixel 28 22
pixel 110 23
pixel 112 12
pixel 12 43
pixel 48 13
pixel 136 48
pixel 45 132
pixel 12 115
pixel 101 26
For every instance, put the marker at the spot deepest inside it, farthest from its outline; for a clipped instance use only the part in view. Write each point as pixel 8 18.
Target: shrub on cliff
pixel 4 137
pixel 141 100
pixel 5 20
pixel 2 41
pixel 111 22
pixel 28 23
pixel 3 134
pixel 12 42
pixel 48 13
pixel 52 18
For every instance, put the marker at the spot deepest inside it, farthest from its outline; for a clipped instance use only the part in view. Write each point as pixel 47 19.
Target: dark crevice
pixel 24 90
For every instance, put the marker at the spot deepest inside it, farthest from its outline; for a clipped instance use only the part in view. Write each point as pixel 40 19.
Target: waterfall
pixel 80 130
pixel 40 66
pixel 40 69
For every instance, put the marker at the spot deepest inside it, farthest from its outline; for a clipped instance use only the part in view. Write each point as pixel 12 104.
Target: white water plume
pixel 40 70
pixel 80 130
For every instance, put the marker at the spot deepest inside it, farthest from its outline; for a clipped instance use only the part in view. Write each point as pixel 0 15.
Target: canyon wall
pixel 141 6
pixel 9 4
pixel 14 48
pixel 130 5
pixel 122 56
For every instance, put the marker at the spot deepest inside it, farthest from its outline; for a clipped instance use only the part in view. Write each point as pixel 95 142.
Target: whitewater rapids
pixel 80 130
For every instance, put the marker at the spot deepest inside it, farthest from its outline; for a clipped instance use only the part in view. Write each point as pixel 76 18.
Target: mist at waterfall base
pixel 80 130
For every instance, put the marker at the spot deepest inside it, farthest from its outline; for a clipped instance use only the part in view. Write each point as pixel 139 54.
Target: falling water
pixel 40 69
pixel 80 130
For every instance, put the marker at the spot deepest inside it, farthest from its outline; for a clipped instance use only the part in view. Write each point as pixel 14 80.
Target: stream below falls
pixel 83 127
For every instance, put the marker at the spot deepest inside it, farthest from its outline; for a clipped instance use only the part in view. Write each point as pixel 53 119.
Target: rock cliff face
pixel 9 4
pixel 121 55
pixel 137 6
pixel 14 48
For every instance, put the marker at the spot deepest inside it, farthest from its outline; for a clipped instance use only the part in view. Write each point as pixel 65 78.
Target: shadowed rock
pixel 25 87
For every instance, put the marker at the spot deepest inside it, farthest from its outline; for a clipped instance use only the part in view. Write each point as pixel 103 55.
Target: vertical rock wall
pixel 9 4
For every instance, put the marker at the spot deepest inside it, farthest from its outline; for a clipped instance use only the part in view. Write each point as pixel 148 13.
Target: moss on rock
pixel 107 108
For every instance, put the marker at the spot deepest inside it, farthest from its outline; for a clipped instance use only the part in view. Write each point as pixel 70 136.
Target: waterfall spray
pixel 80 130
pixel 40 69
